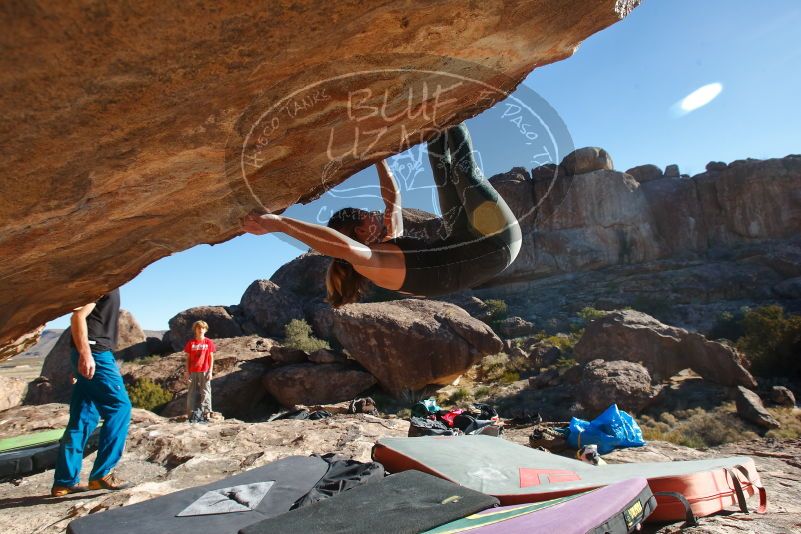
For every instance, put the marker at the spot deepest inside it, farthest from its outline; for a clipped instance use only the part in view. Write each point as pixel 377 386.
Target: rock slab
pixel 664 350
pixel 408 344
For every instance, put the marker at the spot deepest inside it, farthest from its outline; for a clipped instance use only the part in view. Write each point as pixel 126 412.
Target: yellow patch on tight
pixel 488 218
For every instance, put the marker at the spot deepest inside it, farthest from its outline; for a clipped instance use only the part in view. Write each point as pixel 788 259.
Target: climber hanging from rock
pixel 483 235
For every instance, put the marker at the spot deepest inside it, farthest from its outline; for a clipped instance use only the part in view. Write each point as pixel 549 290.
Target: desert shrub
pixel 148 395
pixel 509 376
pixel 772 341
pixel 564 342
pixel 697 428
pixel 791 424
pixel 493 367
pixel 298 335
pixel 459 395
pixel 565 362
pixel 498 368
pixel 728 326
pixel 588 314
pixel 482 392
pixel 496 311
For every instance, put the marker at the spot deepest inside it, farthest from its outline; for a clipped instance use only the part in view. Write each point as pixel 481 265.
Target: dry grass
pixel 790 419
pixel 461 394
pixel 492 368
pixel 698 428
pixel 498 368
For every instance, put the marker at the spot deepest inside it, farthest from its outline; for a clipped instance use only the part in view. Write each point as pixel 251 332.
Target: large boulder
pixel 304 276
pixel 268 308
pixel 164 98
pixel 130 337
pixel 645 173
pixel 512 327
pixel 516 188
pixel 664 350
pixel 587 159
pixel 750 408
pixel 408 344
pixel 309 383
pixel 627 384
pixel 547 173
pixel 57 368
pixel 782 396
pixel 12 392
pixel 221 325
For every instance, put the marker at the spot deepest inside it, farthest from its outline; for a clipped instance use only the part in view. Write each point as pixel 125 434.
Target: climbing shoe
pixel 109 482
pixel 60 491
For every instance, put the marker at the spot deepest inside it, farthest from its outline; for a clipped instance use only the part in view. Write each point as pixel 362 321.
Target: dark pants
pixel 470 206
pixel 102 396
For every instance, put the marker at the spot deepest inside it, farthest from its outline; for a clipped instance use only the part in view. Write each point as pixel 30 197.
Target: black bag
pixel 429 427
pixel 470 425
pixel 485 411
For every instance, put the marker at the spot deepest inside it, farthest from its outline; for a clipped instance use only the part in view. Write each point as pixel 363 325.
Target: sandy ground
pixel 22 366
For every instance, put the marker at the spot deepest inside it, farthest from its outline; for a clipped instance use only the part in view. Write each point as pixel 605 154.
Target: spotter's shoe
pixel 109 482
pixel 60 491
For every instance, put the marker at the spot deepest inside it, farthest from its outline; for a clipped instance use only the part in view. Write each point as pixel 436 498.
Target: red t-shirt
pixel 199 354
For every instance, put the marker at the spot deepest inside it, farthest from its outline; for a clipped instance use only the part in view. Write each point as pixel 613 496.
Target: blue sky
pixel 616 92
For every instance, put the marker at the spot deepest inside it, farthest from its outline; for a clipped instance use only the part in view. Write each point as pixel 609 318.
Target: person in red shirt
pixel 199 363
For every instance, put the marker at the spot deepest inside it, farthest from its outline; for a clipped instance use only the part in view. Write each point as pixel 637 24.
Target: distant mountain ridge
pixel 46 342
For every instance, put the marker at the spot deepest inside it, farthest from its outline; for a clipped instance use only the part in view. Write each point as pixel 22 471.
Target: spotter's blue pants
pixel 102 396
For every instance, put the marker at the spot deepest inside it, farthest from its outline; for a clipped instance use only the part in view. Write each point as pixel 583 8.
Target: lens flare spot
pixel 697 99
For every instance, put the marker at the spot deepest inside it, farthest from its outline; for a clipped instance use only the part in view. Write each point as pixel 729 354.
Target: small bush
pixel 298 335
pixel 564 342
pixel 728 326
pixel 791 424
pixel 565 362
pixel 493 367
pixel 459 395
pixel 588 314
pixel 510 376
pixel 482 392
pixel 772 341
pixel 148 395
pixel 496 311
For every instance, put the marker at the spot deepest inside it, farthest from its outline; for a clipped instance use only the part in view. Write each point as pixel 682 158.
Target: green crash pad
pixel 31 440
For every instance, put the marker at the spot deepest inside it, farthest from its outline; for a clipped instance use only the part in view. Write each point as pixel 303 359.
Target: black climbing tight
pixel 483 235
pixel 468 202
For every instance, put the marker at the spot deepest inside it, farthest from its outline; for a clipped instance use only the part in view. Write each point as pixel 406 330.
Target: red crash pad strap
pixel 689 516
pixel 763 495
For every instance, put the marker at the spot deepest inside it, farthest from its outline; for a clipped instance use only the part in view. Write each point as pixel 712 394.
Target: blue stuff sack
pixel 610 430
